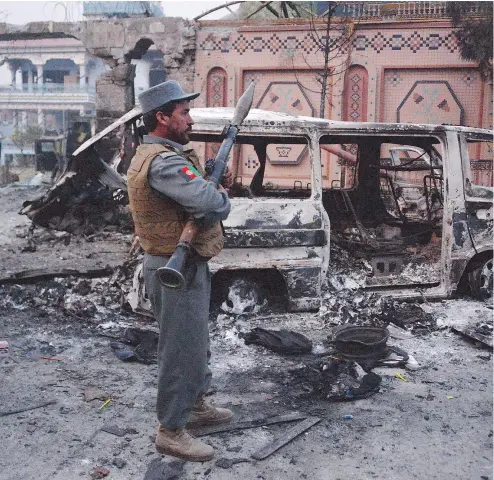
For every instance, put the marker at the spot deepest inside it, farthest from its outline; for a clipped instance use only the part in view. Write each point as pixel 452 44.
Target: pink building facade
pixel 394 71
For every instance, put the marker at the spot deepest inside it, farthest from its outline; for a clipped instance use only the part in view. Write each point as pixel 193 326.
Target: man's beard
pixel 180 137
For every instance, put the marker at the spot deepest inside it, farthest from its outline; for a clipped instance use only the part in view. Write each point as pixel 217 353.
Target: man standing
pixel 166 188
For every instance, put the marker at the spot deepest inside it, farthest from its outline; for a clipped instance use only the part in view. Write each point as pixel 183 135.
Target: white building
pixel 50 82
pixel 45 82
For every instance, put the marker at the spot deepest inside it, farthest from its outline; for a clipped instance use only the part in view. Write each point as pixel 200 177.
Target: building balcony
pixel 403 10
pixel 46 94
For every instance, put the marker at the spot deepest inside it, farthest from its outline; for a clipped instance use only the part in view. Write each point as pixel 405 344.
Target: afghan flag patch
pixel 189 173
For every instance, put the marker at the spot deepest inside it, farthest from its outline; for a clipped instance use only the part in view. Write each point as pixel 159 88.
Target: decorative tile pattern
pixel 482 172
pixel 355 94
pixel 481 163
pixel 217 81
pixel 434 95
pixel 433 41
pixel 393 78
pixel 397 42
pixel 433 102
pixel 355 99
pixel 257 44
pixel 251 163
pixel 286 163
pixel 360 43
pixel 379 42
pixel 469 79
pixel 307 43
pixel 241 44
pixel 286 97
pixel 415 42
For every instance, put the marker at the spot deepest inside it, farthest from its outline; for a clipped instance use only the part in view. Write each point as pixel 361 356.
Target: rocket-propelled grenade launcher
pixel 173 275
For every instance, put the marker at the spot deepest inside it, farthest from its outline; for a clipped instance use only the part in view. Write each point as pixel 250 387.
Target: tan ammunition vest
pixel 159 221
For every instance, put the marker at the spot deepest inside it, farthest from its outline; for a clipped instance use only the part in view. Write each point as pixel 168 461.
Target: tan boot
pixel 179 443
pixel 205 414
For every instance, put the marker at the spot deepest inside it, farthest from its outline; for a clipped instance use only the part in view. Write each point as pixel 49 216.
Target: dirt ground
pixel 436 424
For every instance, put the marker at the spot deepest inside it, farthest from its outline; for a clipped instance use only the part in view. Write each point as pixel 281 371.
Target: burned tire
pixel 254 289
pixel 480 279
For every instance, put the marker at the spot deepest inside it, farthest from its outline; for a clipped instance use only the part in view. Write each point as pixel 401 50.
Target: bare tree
pixel 335 62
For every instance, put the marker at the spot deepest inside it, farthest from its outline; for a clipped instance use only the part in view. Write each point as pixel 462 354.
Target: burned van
pixel 415 202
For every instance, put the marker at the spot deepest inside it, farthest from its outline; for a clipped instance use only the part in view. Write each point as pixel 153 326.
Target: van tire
pixel 480 279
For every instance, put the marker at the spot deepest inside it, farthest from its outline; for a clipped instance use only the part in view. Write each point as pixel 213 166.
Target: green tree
pixel 25 136
pixel 474 23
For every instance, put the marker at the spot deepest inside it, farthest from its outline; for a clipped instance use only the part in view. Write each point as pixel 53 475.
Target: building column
pixel 24 118
pixel 114 98
pixel 30 80
pixel 82 75
pixel 41 119
pixel 18 79
pixel 12 74
pixel 39 69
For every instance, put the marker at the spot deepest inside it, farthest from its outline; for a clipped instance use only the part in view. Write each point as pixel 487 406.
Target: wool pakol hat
pixel 166 92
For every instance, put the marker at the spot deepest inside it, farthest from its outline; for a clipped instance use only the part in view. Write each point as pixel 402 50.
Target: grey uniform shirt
pixel 171 177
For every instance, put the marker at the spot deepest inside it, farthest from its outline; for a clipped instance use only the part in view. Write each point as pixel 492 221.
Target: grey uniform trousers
pixel 183 347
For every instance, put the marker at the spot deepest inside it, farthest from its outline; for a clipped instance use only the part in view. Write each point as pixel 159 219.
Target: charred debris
pixel 387 231
pixel 103 300
pixel 103 296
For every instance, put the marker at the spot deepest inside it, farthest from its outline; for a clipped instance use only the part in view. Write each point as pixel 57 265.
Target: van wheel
pixel 480 280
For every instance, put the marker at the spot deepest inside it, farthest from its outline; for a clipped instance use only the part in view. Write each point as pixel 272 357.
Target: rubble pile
pixel 36 236
pixel 79 207
pixel 334 380
pixel 345 301
pixel 88 299
pixel 343 298
pixel 484 328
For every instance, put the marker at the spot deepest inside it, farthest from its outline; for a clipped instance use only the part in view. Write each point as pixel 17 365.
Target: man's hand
pixel 222 190
pixel 227 181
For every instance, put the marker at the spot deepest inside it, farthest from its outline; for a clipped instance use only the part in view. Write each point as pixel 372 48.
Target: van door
pixel 477 156
pixel 388 206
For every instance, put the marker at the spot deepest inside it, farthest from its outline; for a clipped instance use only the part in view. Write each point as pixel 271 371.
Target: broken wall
pixel 117 42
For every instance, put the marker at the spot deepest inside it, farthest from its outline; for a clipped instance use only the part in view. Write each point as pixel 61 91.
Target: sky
pixel 22 12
